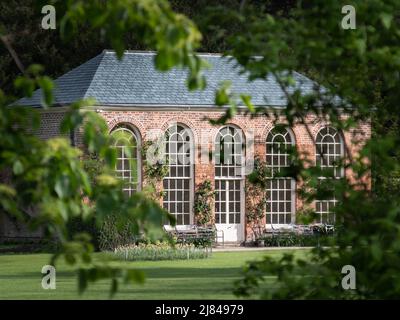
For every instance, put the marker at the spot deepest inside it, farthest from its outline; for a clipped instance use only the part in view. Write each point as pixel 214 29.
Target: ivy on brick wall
pixel 256 189
pixel 204 203
pixel 154 173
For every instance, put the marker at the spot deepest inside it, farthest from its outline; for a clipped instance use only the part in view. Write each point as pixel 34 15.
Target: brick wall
pixel 204 133
pixel 145 121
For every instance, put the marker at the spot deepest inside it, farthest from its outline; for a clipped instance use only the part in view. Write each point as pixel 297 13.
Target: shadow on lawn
pixel 151 273
pixel 226 272
pixel 34 275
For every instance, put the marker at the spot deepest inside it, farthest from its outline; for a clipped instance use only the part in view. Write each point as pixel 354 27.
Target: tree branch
pixel 12 52
pixel 289 97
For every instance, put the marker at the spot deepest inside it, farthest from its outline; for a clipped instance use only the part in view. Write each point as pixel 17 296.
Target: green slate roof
pixel 134 81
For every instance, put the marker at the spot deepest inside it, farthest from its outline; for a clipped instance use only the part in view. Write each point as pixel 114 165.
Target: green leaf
pixel 247 101
pixel 110 156
pixel 361 45
pixel 62 186
pixel 82 280
pixel 223 94
pixel 26 85
pixel 386 19
pixel 47 86
pixel 35 69
pixel 18 167
pixel 114 287
pixel 135 276
pixel 6 190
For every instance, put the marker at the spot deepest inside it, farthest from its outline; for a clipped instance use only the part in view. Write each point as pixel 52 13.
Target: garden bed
pixel 161 251
pixel 296 240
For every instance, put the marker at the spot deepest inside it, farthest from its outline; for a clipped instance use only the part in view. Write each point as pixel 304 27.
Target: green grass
pixel 212 278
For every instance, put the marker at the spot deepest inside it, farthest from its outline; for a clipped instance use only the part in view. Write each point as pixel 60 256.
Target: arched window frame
pixel 127 174
pixel 331 152
pixel 180 178
pixel 335 150
pixel 232 173
pixel 281 204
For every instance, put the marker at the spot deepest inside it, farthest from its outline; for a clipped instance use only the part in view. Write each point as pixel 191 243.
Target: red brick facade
pixel 153 119
pixel 145 121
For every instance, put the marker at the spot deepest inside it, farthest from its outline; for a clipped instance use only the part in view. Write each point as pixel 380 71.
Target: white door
pixel 228 209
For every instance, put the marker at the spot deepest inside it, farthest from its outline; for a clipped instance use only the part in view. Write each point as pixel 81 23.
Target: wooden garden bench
pixel 188 232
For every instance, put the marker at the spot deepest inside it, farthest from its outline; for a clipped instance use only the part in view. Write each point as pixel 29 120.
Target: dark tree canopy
pixel 21 20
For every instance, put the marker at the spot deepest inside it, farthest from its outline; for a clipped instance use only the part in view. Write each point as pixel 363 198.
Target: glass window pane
pixel 127 165
pixel 187 219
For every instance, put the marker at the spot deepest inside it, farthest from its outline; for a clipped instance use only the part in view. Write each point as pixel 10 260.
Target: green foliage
pixel 298 240
pixel 112 236
pixel 93 165
pixel 257 197
pixel 88 226
pixel 50 175
pixel 201 241
pixel 204 203
pixel 154 171
pixel 160 251
pixel 35 45
pixel 360 66
pixel 159 170
pixel 154 24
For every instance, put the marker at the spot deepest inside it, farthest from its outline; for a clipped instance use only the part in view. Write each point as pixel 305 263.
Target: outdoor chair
pixel 169 229
pixel 188 232
pixel 303 229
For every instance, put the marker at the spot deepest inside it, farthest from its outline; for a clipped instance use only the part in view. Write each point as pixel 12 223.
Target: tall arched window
pixel 127 168
pixel 229 173
pixel 329 151
pixel 178 185
pixel 281 190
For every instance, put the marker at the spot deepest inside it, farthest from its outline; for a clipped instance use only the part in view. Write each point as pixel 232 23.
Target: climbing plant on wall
pixel 154 169
pixel 204 203
pixel 256 189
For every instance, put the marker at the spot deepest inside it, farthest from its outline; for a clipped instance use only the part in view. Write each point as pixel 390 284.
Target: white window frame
pixel 227 178
pixel 167 202
pixel 289 139
pixel 319 162
pixel 134 135
pixel 336 156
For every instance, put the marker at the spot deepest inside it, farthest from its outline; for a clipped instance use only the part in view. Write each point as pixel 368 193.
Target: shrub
pixel 297 240
pixel 160 251
pixel 78 225
pixel 204 203
pixel 198 242
pixel 111 236
pixel 257 197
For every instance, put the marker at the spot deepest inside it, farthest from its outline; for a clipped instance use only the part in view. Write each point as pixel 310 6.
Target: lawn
pixel 212 278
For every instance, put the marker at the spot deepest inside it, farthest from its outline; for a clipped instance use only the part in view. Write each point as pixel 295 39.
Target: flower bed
pixel 161 251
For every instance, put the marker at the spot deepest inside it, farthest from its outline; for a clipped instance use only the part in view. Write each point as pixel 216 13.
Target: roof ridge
pixel 152 52
pixel 77 67
pixel 134 80
pixel 101 55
